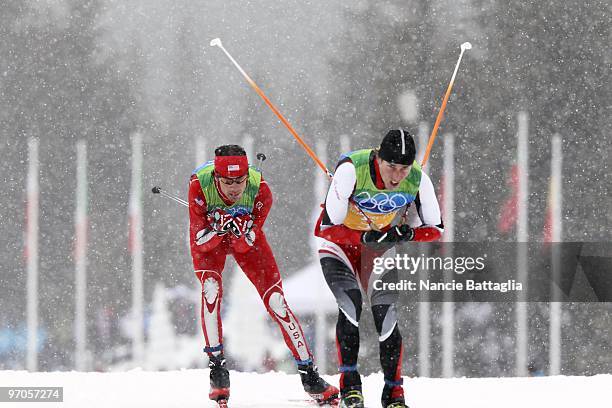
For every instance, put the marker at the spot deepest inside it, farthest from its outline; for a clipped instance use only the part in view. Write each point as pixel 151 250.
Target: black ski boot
pixel 315 386
pixel 351 398
pixel 219 380
pixel 393 397
pixel 350 388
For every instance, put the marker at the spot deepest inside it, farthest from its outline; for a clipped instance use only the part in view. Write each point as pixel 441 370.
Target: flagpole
pixel 424 305
pixel 448 306
pixel 32 255
pixel 522 237
pixel 136 248
pixel 80 257
pixel 320 318
pixel 556 206
pixel 422 135
pixel 200 150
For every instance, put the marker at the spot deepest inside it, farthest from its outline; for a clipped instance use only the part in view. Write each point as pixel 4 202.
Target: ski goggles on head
pixel 233 180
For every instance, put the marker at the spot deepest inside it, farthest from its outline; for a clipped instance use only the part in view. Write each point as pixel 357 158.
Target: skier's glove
pixel 245 242
pixel 205 235
pixel 244 223
pixel 207 239
pixel 393 235
pixel 223 223
pixel 406 233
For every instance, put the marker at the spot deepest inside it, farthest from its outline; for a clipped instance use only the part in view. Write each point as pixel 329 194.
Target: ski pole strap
pixel 394 383
pixel 346 369
pixel 213 349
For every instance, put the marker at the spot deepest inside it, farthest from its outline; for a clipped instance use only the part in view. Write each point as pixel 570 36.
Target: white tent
pixel 306 291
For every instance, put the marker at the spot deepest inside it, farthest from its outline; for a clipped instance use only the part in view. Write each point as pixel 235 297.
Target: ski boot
pixel 219 380
pixel 393 396
pixel 351 398
pixel 315 386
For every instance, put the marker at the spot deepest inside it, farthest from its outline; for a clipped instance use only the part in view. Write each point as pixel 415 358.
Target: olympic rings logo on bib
pixel 233 211
pixel 382 202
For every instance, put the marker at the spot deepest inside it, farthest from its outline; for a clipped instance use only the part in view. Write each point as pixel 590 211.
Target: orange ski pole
pixel 434 131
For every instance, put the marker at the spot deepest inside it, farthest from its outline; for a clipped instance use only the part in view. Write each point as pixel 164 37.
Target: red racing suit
pixel 209 251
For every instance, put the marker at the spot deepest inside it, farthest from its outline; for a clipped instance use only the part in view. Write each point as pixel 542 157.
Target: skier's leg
pixel 208 270
pixel 260 267
pixel 391 352
pixel 389 338
pixel 338 270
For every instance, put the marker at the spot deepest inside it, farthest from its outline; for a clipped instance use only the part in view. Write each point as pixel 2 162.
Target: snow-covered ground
pixel 188 388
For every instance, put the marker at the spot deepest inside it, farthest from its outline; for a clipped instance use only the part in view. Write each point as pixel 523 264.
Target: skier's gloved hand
pixel 406 232
pixel 245 241
pixel 393 235
pixel 214 219
pixel 222 223
pixel 205 235
pixel 244 223
pixel 373 237
pixel 207 239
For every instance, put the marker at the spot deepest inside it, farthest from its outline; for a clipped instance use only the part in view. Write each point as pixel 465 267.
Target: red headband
pixel 231 166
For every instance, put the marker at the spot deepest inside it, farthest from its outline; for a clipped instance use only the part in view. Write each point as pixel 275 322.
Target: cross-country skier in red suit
pixel 370 190
pixel 228 205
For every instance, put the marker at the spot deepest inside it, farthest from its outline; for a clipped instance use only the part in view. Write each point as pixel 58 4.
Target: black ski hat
pixel 397 147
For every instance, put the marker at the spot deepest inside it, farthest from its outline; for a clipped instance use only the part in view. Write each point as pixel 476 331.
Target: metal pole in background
pixel 522 237
pixel 200 150
pixel 556 206
pixel 320 317
pixel 345 144
pixel 424 305
pixel 136 248
pixel 422 135
pixel 448 306
pixel 32 255
pixel 80 259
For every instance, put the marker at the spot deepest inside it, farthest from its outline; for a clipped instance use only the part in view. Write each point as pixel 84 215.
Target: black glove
pixel 405 232
pixel 394 235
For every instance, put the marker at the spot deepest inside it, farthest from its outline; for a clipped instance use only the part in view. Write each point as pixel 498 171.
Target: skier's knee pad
pixel 385 320
pixel 350 305
pixel 275 303
pixel 211 285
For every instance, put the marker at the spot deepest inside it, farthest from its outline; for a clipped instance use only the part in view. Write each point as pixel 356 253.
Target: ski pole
pixel 217 43
pixel 157 190
pixel 434 131
pixel 261 158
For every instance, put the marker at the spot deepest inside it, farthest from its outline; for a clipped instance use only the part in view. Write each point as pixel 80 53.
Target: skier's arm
pixel 336 206
pixel 429 212
pixel 339 193
pixel 202 237
pixel 262 205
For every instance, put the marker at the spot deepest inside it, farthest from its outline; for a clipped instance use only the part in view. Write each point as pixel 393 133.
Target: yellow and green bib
pixel 380 206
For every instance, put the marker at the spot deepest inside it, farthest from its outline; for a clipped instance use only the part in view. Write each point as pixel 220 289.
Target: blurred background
pixel 343 73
